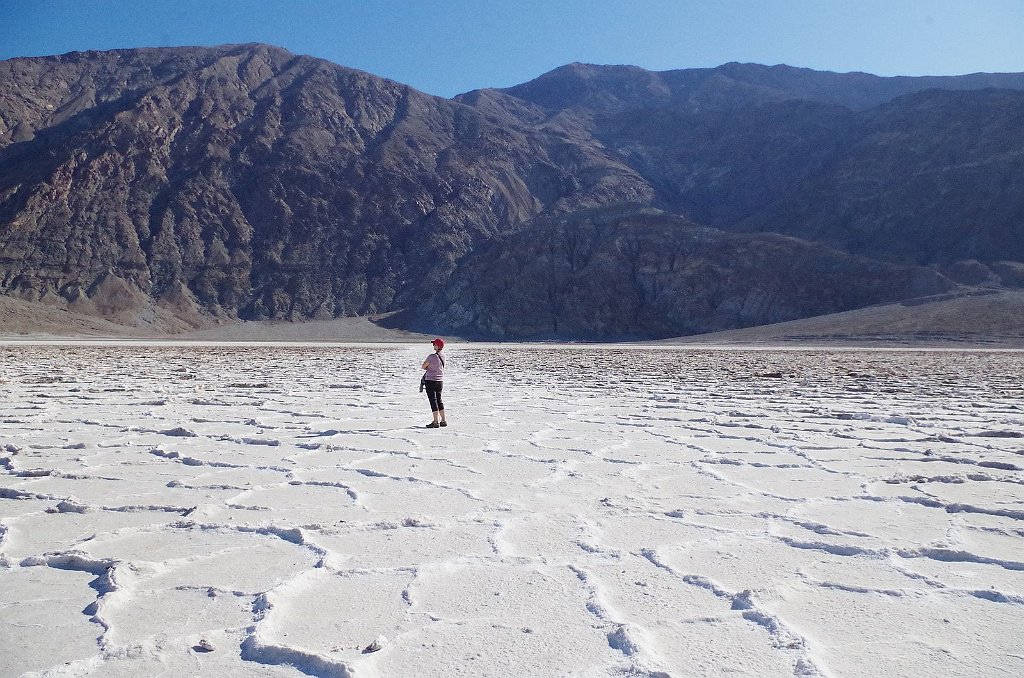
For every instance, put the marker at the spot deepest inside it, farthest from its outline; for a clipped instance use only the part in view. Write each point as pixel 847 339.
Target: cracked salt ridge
pixel 567 482
pixel 782 637
pixel 629 639
pixel 940 554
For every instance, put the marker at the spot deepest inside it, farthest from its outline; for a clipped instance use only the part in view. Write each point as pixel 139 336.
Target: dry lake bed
pixel 279 510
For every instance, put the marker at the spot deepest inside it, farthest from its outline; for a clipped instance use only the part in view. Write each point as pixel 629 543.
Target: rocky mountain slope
pixel 172 187
pixel 253 182
pixel 916 170
pixel 619 274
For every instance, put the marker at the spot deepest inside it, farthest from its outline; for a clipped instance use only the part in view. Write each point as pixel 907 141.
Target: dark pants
pixel 434 395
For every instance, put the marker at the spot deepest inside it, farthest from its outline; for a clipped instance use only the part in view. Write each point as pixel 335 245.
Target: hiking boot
pixel 432 424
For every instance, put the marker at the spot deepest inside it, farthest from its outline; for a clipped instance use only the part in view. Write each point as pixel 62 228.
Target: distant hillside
pixel 181 186
pixel 610 89
pixel 931 177
pixel 916 170
pixel 981 319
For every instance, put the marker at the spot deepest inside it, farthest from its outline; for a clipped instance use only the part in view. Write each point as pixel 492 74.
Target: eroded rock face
pixel 909 170
pixel 933 177
pixel 245 181
pixel 632 274
pixel 267 185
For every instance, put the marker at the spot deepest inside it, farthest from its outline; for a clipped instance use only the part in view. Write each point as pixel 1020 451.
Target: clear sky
pixel 445 47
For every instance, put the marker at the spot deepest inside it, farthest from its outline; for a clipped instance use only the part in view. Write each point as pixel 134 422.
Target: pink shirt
pixel 435 368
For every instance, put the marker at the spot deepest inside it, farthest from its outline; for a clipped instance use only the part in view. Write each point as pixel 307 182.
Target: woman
pixel 433 381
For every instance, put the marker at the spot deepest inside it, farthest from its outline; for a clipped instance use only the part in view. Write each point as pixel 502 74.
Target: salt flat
pixel 273 510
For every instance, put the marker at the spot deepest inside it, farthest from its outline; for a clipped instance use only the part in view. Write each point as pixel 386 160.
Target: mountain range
pixel 174 188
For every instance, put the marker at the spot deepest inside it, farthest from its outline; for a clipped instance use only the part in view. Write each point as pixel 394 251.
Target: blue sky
pixel 452 46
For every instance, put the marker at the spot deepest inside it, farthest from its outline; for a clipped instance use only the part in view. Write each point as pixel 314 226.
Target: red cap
pixel 439 343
